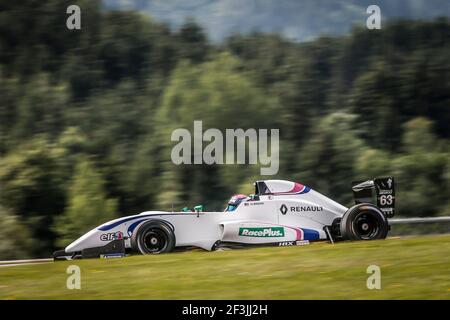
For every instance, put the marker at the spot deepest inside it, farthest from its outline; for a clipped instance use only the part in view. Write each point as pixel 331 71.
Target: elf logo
pixel 111 236
pixel 262 232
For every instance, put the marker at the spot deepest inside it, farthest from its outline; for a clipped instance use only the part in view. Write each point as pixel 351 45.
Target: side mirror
pixel 198 208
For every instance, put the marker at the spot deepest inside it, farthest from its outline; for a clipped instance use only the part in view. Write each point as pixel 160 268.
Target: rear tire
pixel 364 222
pixel 153 237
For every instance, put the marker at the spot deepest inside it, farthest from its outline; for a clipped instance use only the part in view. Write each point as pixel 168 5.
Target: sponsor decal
pixel 112 255
pixel 293 243
pixel 385 195
pixel 283 209
pixel 286 243
pixel 111 236
pixel 251 203
pixel 262 232
pixel 306 209
pixel 385 184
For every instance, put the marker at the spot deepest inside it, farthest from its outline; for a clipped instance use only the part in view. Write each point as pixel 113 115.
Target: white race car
pixel 279 213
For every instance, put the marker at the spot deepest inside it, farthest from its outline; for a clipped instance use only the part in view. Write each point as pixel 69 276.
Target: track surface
pixel 14 263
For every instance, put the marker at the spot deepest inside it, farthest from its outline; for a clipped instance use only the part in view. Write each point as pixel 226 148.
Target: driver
pixel 235 201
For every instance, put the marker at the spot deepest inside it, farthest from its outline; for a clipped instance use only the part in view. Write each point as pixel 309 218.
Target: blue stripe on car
pixel 305 190
pixel 107 227
pixel 309 234
pixel 133 226
pixel 115 224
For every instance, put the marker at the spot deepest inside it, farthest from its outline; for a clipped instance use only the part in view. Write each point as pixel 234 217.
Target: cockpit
pixel 267 188
pixel 235 201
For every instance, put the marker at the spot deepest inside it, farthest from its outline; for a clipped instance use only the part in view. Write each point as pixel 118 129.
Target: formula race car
pixel 279 213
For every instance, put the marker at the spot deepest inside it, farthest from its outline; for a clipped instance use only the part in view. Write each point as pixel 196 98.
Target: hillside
pixel 296 20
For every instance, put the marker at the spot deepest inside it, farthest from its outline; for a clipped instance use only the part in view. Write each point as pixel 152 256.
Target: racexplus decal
pixel 262 232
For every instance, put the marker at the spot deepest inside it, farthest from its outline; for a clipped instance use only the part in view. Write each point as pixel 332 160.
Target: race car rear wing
pixel 384 197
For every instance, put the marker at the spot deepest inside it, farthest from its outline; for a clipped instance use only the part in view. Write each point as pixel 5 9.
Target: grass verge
pixel 411 268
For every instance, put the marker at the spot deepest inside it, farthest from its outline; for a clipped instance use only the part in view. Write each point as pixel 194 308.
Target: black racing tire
pixel 153 237
pixel 364 222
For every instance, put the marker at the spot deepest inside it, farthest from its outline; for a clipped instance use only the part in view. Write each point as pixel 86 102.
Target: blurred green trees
pixel 331 152
pixel 86 117
pixel 32 184
pixel 87 204
pixel 222 96
pixel 423 189
pixel 16 241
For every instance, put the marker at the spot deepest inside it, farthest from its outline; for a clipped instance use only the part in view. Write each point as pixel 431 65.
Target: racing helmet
pixel 235 201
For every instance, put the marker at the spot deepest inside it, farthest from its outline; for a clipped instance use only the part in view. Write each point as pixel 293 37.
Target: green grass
pixel 411 268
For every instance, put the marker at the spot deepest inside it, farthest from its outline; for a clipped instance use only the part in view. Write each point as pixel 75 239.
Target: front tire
pixel 153 237
pixel 364 222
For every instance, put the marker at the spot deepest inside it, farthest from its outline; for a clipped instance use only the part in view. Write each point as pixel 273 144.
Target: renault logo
pixel 283 209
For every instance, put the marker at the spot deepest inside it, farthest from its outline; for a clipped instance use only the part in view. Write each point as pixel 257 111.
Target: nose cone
pixel 74 246
pixel 88 240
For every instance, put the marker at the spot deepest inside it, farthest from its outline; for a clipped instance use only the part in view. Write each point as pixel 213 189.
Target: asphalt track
pixel 13 263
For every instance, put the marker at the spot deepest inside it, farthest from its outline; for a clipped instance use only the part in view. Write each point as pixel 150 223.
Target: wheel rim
pixel 366 226
pixel 154 240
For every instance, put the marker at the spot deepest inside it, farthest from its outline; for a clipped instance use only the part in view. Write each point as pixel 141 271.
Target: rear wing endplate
pixel 384 195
